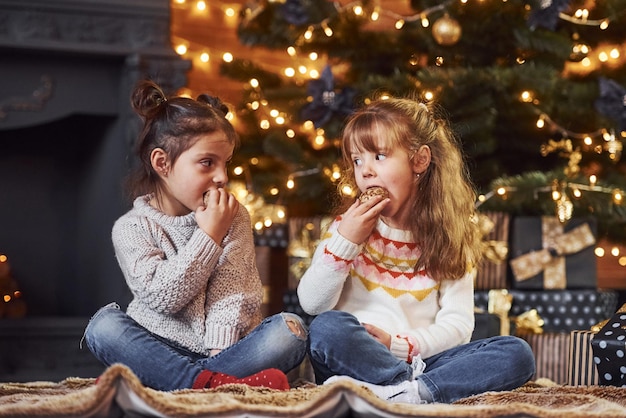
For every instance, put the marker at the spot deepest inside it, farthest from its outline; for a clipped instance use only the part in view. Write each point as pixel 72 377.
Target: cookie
pixel 373 191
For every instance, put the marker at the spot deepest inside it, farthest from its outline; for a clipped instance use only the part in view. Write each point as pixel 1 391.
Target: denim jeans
pixel 340 345
pixel 114 337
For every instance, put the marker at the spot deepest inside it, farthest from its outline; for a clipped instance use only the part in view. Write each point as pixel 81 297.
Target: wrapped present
pixel 609 350
pixel 581 370
pixel 492 272
pixel 550 350
pixel 561 310
pixel 546 254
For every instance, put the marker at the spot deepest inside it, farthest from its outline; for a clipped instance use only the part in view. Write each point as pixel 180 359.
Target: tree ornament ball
pixel 446 31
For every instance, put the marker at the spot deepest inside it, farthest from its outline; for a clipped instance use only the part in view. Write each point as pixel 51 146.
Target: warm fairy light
pixel 308 34
pixel 614 53
pixel 593 179
pixel 274 191
pixel 3 258
pixel 290 133
pixel 604 24
pixel 320 140
pixel 556 195
pixel 577 193
pixel 603 56
pixel 280 120
pixel 358 10
pixel 347 190
pixel 313 56
pixel 7 298
pixel 375 15
pixel 179 1
pixel 425 22
pixel 501 191
pixel 582 14
pixel 290 72
pixel 238 170
pixel 230 12
pixel 201 5
pixel 614 251
pixel 482 198
pixel 255 105
pixel 228 57
pixel 274 113
pixel 617 197
pixel 302 69
pixel 291 184
pixel 258 225
pixel 541 122
pixel 429 95
pixel 526 97
pixel 254 161
pixel 204 57
pixel 308 124
pixel 281 214
pixel 622 261
pixel 314 74
pixel 181 49
pixel 267 222
pixel 254 83
pixel 586 62
pixel 587 140
pixel 327 30
pixel 264 124
pixel 399 24
pixel 599 252
pixel 291 51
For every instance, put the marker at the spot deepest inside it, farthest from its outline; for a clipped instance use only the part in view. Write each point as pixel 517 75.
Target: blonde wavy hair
pixel 443 215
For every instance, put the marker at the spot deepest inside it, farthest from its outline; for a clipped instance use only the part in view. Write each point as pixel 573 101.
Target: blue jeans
pixel 114 337
pixel 340 345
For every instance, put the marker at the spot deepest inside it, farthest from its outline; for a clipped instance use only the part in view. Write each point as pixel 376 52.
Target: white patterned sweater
pixel 186 287
pixel 377 283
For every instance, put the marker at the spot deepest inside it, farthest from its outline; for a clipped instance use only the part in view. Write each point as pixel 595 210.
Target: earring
pixel 417 176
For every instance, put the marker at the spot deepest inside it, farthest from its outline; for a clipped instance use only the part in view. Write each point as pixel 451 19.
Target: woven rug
pixel 118 393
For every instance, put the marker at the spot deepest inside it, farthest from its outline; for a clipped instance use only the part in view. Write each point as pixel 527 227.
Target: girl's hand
pixel 378 334
pixel 218 213
pixel 358 222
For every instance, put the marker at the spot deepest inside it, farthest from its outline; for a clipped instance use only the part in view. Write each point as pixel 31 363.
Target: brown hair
pixel 173 124
pixel 442 221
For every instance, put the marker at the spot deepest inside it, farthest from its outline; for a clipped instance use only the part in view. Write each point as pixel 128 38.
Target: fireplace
pixel 66 134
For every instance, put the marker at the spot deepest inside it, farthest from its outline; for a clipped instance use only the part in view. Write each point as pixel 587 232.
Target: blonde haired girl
pixel 390 281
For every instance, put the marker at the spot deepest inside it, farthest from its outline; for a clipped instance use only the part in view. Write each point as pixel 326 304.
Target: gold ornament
pixel 446 31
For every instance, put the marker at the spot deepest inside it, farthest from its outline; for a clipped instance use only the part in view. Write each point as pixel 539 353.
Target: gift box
pixel 561 310
pixel 550 351
pixel 609 350
pixel 546 254
pixel 581 370
pixel 492 272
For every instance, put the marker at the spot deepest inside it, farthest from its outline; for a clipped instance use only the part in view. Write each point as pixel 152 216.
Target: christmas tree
pixel 535 90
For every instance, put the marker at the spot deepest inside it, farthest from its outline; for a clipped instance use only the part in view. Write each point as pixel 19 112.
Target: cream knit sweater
pixel 187 288
pixel 377 283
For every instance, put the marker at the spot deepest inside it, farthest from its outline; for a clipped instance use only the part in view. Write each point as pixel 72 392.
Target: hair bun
pixel 214 102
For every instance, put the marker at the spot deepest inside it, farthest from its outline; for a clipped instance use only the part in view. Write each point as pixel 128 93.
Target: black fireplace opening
pixel 60 192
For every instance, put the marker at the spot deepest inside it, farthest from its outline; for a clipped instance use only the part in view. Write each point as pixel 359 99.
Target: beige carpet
pixel 119 393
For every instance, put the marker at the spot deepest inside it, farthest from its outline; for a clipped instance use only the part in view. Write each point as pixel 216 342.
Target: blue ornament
pixel 294 12
pixel 327 103
pixel 612 101
pixel 547 16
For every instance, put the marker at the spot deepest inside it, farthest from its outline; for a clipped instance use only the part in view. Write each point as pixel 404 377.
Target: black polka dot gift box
pixel 609 350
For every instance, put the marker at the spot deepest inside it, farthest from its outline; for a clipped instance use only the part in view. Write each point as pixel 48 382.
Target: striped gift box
pixel 492 274
pixel 581 370
pixel 550 350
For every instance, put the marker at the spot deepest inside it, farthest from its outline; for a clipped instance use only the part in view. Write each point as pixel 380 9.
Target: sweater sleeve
pixel 234 293
pixel 454 322
pixel 165 284
pixel 321 285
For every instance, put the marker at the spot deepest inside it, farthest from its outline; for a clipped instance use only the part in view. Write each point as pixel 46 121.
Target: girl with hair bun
pixel 187 253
